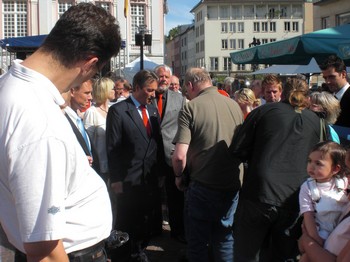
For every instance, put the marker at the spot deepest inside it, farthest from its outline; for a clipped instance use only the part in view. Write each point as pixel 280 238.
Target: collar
pixel 341 92
pixel 71 113
pixel 211 89
pixel 136 103
pixel 30 75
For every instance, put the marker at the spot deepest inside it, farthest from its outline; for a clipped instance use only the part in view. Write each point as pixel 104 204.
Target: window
pixel 202 46
pixel 272 26
pixel 14 18
pixel 249 11
pixel 233 44
pixel 137 18
pixel 199 16
pixel 284 11
pixel 227 64
pixel 212 12
pixel 223 43
pixel 273 40
pixel 104 5
pixel 240 27
pixel 260 11
pixel 264 41
pixel 223 27
pixel 197 47
pixel 287 26
pixel 240 67
pixel 297 11
pixel 233 27
pixel 295 26
pixel 201 29
pixel 256 27
pixel 236 12
pixel 214 63
pixel 63 7
pixel 264 27
pixel 224 12
pixel 342 19
pixel 325 22
pixel 197 31
pixel 240 43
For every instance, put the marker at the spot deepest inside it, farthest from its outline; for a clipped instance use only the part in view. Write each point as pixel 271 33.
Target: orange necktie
pixel 160 104
pixel 145 120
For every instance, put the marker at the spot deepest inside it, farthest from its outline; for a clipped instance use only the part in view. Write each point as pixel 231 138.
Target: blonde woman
pixel 327 107
pixel 95 120
pixel 246 100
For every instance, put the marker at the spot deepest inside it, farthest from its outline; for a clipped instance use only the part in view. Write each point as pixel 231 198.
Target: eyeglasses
pixel 174 84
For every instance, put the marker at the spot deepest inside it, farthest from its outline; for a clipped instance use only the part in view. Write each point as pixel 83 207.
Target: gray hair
pixel 167 68
pixel 329 104
pixel 197 75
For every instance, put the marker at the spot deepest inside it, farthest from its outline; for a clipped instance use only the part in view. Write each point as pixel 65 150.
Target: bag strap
pixel 323 132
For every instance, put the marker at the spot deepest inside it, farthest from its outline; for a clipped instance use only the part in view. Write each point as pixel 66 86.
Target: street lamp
pixel 252 44
pixel 143 37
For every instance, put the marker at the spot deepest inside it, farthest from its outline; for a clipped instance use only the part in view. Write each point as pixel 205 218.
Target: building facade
pixel 330 13
pixel 224 26
pixel 37 17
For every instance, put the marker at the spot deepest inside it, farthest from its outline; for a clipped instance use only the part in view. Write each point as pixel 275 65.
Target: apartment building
pixel 37 17
pixel 225 26
pixel 180 49
pixel 330 13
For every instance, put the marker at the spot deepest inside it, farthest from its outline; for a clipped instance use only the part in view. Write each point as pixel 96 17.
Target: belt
pixel 88 254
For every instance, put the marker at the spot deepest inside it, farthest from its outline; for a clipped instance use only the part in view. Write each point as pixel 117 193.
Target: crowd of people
pixel 246 174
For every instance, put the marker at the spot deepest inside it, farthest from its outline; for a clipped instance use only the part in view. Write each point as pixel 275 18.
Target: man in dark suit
pixel 169 108
pixel 76 100
pixel 133 138
pixel 334 74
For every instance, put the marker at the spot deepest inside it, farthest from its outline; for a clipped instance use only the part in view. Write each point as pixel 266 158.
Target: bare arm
pixel 344 255
pixel 46 251
pixel 314 251
pixel 311 228
pixel 179 163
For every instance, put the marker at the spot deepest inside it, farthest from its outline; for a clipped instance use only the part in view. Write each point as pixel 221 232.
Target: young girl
pixel 323 198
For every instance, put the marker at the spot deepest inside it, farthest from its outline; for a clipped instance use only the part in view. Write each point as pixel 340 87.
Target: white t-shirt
pixel 48 191
pixel 330 208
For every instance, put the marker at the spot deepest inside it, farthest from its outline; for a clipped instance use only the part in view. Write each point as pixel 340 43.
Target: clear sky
pixel 179 13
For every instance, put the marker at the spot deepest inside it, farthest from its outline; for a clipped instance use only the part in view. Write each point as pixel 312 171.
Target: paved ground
pixel 166 249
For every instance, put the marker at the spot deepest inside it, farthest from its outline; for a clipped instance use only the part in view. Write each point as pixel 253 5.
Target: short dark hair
pixel 143 77
pixel 333 61
pixel 84 30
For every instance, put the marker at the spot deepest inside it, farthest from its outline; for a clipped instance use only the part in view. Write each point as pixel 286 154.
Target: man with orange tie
pixel 169 104
pixel 133 150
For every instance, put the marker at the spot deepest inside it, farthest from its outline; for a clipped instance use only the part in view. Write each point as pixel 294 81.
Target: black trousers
pixel 175 201
pixel 137 209
pixel 260 233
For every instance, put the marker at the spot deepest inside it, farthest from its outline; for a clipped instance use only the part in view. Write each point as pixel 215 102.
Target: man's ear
pixel 89 64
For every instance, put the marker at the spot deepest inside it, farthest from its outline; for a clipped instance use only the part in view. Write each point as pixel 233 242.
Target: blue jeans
pixel 208 223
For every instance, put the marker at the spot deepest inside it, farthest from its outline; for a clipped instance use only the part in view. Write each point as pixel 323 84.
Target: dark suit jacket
pixel 80 138
pixel 132 155
pixel 344 117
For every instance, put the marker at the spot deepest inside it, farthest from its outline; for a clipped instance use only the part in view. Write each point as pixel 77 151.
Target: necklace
pixel 102 109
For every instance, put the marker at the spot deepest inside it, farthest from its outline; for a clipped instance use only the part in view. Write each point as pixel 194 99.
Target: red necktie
pixel 145 120
pixel 160 104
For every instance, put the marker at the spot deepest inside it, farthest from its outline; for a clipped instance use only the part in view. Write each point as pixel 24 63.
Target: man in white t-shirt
pixel 53 205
